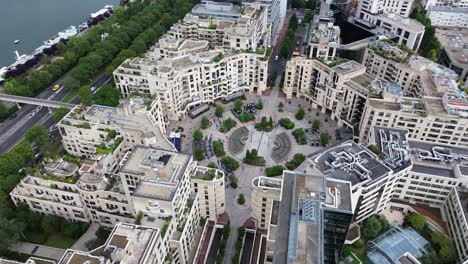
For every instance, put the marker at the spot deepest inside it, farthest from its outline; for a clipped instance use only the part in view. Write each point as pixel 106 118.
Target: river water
pixel 34 21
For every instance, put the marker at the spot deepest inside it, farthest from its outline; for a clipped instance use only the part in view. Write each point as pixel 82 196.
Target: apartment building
pixel 416 75
pixel 454 54
pixel 340 90
pixel 295 208
pixel 248 31
pixel 456 211
pixel 147 183
pixel 276 9
pixel 372 181
pixel 405 31
pixel 367 9
pixel 438 178
pixel 185 82
pixel 431 106
pixel 209 184
pixel 127 243
pixel 324 41
pixel 445 16
pixel 87 131
pixel 454 3
pixel 427 119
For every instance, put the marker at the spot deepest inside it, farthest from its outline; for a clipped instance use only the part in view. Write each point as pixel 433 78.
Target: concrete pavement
pixel 38 250
pixel 90 234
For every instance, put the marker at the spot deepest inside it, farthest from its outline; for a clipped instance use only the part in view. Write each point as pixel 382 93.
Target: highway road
pixel 30 115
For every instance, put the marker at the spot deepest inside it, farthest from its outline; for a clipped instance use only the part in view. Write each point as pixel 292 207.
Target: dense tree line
pixel 130 32
pixel 430 45
pixel 288 41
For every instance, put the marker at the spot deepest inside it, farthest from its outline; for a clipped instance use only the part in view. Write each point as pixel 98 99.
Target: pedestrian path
pixel 38 250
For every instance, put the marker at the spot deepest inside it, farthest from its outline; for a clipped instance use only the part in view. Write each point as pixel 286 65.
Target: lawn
pixel 59 241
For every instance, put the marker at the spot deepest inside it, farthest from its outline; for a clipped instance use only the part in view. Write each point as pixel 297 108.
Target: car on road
pixel 13 116
pixel 56 87
pixel 276 57
pixel 93 89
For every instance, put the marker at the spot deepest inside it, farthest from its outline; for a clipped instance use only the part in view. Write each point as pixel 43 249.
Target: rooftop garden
pixel 390 54
pixel 218 57
pixel 210 175
pixel 50 176
pixel 166 226
pixel 104 149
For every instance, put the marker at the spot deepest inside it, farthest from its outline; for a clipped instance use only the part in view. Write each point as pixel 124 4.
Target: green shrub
pixel 246 117
pixel 295 162
pixel 218 148
pixel 233 181
pixel 275 170
pixel 300 136
pixel 286 123
pixel 300 113
pixel 359 244
pixel 241 199
pixel 251 157
pixel 227 125
pixel 230 163
pixel 265 124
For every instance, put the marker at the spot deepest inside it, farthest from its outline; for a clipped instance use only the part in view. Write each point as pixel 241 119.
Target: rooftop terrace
pixel 127 244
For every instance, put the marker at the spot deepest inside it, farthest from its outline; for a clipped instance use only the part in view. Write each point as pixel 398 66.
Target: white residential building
pixel 186 82
pixel 209 184
pixel 445 16
pixel 297 212
pixel 407 31
pixel 367 9
pixel 452 3
pixel 87 131
pixel 249 31
pixel 340 90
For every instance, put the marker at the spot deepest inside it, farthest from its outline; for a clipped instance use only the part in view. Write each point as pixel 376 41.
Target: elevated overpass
pixel 35 101
pixel 360 44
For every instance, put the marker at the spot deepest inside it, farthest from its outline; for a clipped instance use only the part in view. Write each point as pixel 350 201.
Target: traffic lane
pixel 20 132
pixel 60 94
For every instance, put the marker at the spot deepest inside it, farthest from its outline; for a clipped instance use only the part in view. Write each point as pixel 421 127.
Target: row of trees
pixel 443 246
pixel 430 45
pixel 288 41
pixel 19 223
pixel 131 30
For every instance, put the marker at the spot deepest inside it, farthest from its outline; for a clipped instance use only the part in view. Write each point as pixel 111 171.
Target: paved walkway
pixel 239 214
pixel 90 234
pixel 38 250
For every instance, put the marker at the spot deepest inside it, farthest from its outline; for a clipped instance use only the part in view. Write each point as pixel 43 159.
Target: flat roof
pixel 394 143
pixel 352 162
pixel 161 170
pixel 348 67
pixel 156 164
pixel 454 41
pixel 127 243
pixel 303 198
pixel 437 159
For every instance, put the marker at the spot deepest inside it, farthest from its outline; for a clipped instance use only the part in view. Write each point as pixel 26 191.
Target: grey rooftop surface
pixel 438 159
pixel 126 241
pixel 300 230
pixel 350 162
pixel 454 43
pixel 160 171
